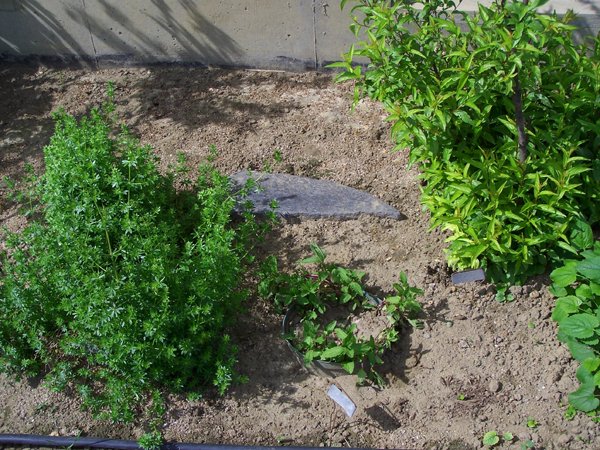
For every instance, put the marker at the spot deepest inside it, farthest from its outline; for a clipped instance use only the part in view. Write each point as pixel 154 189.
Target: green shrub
pixel 500 110
pixel 577 311
pixel 125 286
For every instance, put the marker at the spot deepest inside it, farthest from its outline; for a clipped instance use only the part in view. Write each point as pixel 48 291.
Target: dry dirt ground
pixel 503 359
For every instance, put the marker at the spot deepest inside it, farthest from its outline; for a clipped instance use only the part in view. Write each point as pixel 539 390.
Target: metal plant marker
pixel 342 400
pixel 468 276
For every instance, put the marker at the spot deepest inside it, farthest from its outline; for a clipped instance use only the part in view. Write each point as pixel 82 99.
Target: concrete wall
pixel 275 34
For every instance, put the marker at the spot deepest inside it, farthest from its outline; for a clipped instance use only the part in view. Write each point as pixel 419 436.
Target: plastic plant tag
pixel 468 275
pixel 342 400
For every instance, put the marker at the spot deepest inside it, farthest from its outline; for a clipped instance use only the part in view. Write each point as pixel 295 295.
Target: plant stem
pixel 110 250
pixel 517 99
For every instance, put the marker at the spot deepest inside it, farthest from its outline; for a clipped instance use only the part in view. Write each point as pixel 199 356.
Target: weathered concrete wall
pixel 276 34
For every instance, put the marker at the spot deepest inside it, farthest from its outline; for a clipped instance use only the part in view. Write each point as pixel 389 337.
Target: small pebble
pixel 411 362
pixel 494 386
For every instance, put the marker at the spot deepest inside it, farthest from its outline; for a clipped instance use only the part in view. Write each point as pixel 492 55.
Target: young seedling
pixel 491 438
pixel 528 444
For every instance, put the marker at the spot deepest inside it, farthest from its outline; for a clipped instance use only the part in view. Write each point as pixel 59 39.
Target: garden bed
pixel 476 366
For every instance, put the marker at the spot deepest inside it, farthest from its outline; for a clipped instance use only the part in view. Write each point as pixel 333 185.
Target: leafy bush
pixel 126 286
pixel 500 110
pixel 577 311
pixel 313 295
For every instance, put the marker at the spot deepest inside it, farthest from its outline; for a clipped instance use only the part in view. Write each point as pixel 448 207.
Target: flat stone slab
pixel 311 198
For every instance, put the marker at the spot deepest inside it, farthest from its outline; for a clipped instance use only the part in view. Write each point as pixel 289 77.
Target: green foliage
pixel 151 440
pixel 451 82
pixel 527 444
pixel 311 294
pixel 491 438
pixel 577 312
pixel 508 436
pixel 532 423
pixel 126 286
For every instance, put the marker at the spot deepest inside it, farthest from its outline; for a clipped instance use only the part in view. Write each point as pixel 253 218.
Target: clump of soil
pixel 502 360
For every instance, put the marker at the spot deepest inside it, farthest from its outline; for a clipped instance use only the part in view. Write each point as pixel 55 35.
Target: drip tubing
pixel 32 440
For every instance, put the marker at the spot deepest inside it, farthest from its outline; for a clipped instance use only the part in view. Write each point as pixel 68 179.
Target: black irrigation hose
pixel 33 440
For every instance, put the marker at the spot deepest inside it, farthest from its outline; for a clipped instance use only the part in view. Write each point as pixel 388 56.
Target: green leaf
pixel 361 375
pixel 310 260
pixel 491 438
pixel 580 351
pixel 591 364
pixel 568 247
pixel 341 334
pixel 564 307
pixel 566 275
pixel 464 117
pixel 580 326
pixel 590 267
pixel 333 352
pixel 349 367
pixel 584 398
pixel 584 291
pixel 582 236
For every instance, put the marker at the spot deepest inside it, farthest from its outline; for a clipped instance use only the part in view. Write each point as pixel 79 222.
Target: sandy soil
pixel 503 359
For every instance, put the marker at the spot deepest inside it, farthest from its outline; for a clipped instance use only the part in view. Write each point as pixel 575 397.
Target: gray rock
pixel 307 197
pixel 564 439
pixel 494 386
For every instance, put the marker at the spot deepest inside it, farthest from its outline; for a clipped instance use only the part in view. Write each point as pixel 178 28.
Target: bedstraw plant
pixel 125 286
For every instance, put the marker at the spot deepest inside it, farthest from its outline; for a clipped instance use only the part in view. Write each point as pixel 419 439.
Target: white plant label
pixel 342 400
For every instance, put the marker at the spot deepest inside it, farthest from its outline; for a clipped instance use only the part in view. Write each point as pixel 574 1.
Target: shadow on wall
pixel 28 28
pixel 104 30
pixel 587 18
pixel 588 23
pixel 164 31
